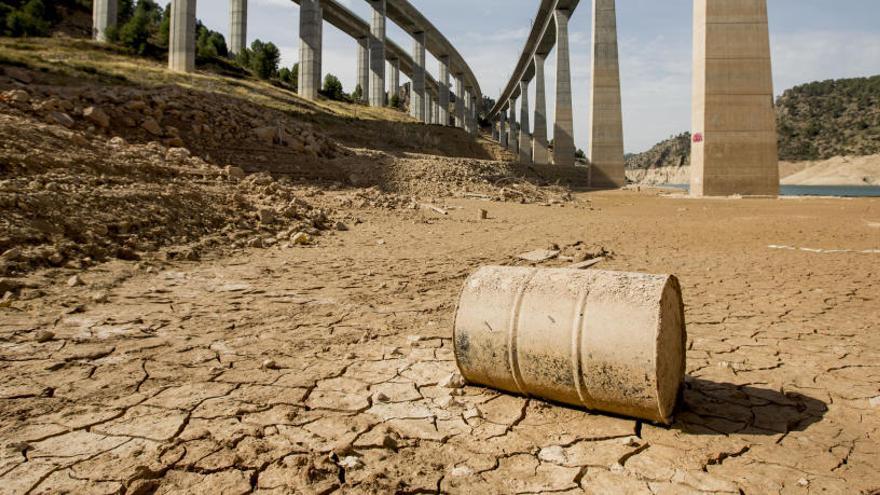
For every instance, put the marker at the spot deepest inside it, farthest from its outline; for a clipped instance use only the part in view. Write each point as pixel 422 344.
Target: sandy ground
pixel 841 170
pixel 315 369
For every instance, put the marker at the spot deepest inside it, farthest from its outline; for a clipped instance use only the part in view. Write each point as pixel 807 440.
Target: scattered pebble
pixel 74 281
pixel 351 462
pixel 44 336
pixel 270 364
pixel 452 381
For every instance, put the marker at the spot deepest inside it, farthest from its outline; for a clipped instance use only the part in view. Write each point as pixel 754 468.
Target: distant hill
pixel 816 121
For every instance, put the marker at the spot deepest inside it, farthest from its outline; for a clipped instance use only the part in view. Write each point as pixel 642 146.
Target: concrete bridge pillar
pixel 513 140
pixel 540 153
pixel 429 109
pixel 311 25
pixel 734 148
pixel 104 15
pixel 443 84
pixel 394 80
pixel 525 139
pixel 238 26
pixel 495 133
pixel 502 128
pixel 436 112
pixel 467 109
pixel 377 54
pixel 363 68
pixel 459 101
pixel 606 117
pixel 417 100
pixel 475 115
pixel 563 129
pixel 182 38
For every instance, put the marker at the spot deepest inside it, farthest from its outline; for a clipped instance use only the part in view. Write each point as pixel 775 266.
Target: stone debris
pixel 269 364
pixel 453 381
pixel 539 255
pixel 97 116
pixel 44 336
pixel 75 281
pixel 583 265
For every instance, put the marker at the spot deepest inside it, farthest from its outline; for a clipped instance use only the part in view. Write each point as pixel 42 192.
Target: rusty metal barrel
pixel 606 341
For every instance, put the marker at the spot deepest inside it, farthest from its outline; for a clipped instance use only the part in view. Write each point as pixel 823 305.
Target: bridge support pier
pixel 436 112
pixel 377 54
pixel 502 128
pixel 459 101
pixel 563 129
pixel 495 132
pixel 475 115
pixel 540 153
pixel 734 149
pixel 363 68
pixel 513 140
pixel 238 26
pixel 182 38
pixel 468 123
pixel 104 16
pixel 525 139
pixel 417 99
pixel 443 85
pixel 311 25
pixel 606 117
pixel 394 80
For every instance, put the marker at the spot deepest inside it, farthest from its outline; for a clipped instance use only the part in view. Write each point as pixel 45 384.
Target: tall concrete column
pixel 540 153
pixel 734 149
pixel 606 117
pixel 377 54
pixel 363 68
pixel 525 139
pixel 513 140
pixel 495 133
pixel 182 38
pixel 459 101
pixel 394 82
pixel 502 128
pixel 104 15
pixel 237 26
pixel 310 37
pixel 436 112
pixel 417 100
pixel 475 115
pixel 429 109
pixel 466 121
pixel 563 129
pixel 443 83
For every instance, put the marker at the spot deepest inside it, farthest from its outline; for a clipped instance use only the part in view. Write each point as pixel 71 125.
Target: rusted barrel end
pixel 606 341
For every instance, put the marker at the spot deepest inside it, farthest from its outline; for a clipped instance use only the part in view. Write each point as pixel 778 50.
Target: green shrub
pixel 358 94
pixel 262 59
pixel 333 88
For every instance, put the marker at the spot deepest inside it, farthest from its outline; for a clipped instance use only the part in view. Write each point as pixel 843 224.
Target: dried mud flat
pixel 320 369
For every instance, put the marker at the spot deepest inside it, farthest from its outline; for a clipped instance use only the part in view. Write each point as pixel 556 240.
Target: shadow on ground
pixel 712 408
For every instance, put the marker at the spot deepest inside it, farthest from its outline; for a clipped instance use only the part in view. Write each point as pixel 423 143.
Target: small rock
pixel 234 172
pixel 100 297
pixel 341 227
pixel 554 454
pixel 874 402
pixel 17 95
pixel 390 442
pixel 97 116
pixel 380 397
pixel 116 142
pixel 266 216
pixel 617 468
pixel 483 214
pixel 804 482
pixel 74 281
pixel 447 402
pixel 19 74
pixel 256 242
pixel 380 242
pixel 44 336
pixel 62 118
pixel 269 364
pixel 150 125
pixel 351 462
pixel 472 413
pixel 177 154
pixel 301 239
pixel 631 441
pixel 452 381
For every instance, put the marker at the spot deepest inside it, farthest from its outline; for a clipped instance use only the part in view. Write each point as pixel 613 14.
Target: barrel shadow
pixel 712 408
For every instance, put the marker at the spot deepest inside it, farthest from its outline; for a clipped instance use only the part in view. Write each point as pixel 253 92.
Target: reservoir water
pixel 841 191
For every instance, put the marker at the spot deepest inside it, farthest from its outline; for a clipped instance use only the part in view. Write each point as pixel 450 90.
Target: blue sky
pixel 811 40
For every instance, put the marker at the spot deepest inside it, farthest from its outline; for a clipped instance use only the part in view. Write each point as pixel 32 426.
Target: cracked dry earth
pixel 317 370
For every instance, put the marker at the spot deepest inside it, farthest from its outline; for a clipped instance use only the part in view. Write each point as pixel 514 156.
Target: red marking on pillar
pixel 698 137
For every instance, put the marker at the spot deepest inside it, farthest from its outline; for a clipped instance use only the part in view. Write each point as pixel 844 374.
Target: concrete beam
pixel 734 149
pixel 377 54
pixel 104 16
pixel 311 26
pixel 237 26
pixel 606 116
pixel 540 153
pixel 417 99
pixel 563 129
pixel 182 36
pixel 443 90
pixel 525 139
